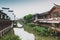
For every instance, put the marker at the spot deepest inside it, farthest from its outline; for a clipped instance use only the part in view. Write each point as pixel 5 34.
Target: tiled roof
pixel 42 14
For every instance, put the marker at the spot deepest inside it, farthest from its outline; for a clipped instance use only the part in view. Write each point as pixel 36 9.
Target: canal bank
pixel 24 35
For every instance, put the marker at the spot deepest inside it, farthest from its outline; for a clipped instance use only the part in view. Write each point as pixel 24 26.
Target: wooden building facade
pixel 50 18
pixel 5 23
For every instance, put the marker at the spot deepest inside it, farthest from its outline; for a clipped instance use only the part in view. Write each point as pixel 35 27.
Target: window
pixel 55 14
pixel 40 17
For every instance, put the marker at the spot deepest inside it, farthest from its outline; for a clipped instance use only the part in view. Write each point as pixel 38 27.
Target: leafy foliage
pixel 31 25
pixel 28 17
pixel 11 37
pixel 42 30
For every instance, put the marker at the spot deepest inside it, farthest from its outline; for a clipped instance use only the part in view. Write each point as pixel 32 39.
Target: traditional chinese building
pixel 50 18
pixel 5 23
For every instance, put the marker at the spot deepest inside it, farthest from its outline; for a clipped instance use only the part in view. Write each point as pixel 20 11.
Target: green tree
pixel 28 17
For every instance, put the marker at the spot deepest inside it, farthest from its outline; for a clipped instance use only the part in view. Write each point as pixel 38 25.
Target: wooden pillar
pixel 0 33
pixel 5 17
pixel 51 15
pixel 1 16
pixel 36 18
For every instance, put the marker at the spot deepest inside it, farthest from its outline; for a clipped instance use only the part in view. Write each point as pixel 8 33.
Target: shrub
pixel 14 37
pixel 6 38
pixel 42 30
pixel 31 25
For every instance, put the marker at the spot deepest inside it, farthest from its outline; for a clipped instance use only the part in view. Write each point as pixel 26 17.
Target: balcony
pixel 50 20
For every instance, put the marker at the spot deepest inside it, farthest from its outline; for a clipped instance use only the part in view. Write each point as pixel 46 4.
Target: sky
pixel 25 7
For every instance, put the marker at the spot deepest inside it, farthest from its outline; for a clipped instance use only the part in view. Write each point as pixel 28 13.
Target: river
pixel 23 35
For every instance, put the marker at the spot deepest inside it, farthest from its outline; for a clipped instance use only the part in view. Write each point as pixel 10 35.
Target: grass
pixel 9 35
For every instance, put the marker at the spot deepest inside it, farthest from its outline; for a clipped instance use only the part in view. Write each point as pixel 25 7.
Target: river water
pixel 24 35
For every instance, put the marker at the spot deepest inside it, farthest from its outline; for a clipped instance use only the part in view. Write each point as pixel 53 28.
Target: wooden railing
pixel 2 32
pixel 50 20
